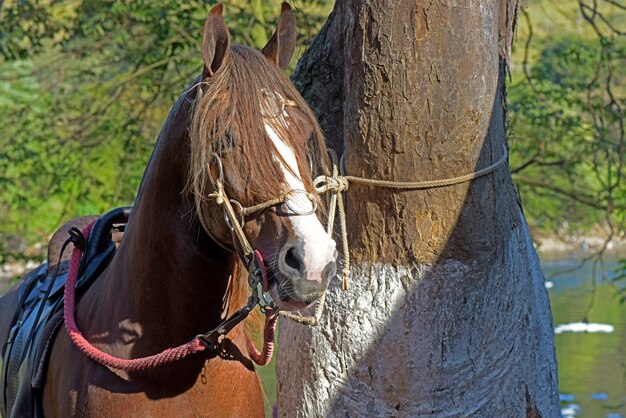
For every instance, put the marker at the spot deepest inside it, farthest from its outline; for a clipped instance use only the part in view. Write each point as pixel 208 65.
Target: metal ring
pixel 309 196
pixel 220 169
pixel 242 221
pixel 279 99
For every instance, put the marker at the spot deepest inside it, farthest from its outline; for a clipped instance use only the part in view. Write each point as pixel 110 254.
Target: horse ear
pixel 281 45
pixel 215 41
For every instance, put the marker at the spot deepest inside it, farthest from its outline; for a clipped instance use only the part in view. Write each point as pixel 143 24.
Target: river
pixel 592 365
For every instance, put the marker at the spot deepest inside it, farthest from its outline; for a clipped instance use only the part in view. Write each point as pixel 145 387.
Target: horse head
pixel 255 140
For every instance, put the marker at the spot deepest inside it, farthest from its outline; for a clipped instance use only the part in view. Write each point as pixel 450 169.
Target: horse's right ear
pixel 215 41
pixel 281 45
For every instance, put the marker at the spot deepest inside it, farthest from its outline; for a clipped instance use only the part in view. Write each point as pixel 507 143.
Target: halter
pixel 257 273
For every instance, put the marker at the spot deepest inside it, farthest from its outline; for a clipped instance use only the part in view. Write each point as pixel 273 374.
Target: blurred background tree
pixel 85 86
pixel 84 89
pixel 566 99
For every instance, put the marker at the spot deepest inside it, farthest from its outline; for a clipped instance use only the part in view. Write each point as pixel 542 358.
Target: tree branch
pixel 538 161
pixel 573 195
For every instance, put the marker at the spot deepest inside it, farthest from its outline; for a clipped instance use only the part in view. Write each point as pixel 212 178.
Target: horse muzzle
pixel 295 281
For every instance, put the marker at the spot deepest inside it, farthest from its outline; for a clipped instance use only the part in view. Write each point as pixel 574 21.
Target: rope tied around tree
pixel 337 183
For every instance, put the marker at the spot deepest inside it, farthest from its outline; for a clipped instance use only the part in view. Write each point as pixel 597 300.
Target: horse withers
pixel 229 180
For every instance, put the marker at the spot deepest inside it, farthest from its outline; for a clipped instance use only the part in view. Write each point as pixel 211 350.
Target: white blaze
pixel 319 248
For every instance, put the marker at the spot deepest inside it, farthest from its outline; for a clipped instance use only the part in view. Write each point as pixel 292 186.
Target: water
pixel 592 365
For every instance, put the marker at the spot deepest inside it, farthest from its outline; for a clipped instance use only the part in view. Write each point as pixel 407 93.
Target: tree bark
pixel 446 312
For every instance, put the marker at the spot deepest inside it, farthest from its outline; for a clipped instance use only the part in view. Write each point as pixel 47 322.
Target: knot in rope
pixel 337 183
pixel 218 197
pixel 334 184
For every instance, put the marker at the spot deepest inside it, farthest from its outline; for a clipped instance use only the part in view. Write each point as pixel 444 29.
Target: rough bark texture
pixel 447 313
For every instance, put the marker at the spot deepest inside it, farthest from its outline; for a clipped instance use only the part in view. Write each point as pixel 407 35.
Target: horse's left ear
pixel 281 45
pixel 215 41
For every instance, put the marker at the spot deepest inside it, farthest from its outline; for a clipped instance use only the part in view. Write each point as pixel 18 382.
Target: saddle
pixel 39 315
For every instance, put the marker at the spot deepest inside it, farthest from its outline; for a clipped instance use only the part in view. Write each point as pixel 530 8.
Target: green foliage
pixel 27 26
pixel 567 136
pixel 619 279
pixel 568 106
pixel 84 89
pixel 548 124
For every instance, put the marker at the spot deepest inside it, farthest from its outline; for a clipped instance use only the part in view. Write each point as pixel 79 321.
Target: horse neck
pixel 174 278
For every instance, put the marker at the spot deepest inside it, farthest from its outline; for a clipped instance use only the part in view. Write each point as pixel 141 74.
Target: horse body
pixel 177 272
pixel 147 301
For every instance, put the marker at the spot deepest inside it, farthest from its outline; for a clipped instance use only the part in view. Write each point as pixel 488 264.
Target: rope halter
pixel 235 216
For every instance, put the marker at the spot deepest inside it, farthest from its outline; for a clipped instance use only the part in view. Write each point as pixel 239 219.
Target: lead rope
pixel 207 341
pixel 165 357
pixel 336 184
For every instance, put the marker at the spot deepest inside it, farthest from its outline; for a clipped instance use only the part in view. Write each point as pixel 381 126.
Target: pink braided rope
pixel 143 363
pixel 165 357
pixel 265 356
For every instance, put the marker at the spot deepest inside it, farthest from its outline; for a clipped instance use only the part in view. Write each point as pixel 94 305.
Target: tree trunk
pixel 446 312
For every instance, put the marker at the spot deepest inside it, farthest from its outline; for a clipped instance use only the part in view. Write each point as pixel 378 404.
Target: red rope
pixel 265 356
pixel 101 357
pixel 167 356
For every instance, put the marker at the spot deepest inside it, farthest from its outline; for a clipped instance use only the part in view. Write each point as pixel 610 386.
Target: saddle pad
pixel 26 352
pixel 21 343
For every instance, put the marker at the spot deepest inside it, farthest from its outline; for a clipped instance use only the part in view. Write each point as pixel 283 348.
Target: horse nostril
pixel 292 260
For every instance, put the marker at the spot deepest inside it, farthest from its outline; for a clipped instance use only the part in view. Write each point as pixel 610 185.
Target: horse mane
pixel 228 117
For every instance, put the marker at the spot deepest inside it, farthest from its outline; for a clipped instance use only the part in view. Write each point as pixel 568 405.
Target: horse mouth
pixel 279 289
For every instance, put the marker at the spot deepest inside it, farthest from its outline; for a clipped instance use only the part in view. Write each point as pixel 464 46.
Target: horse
pixel 239 135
